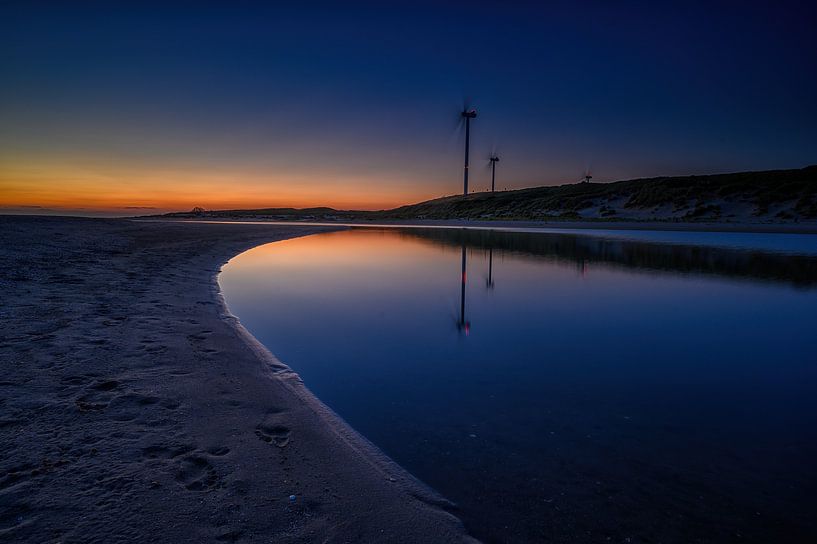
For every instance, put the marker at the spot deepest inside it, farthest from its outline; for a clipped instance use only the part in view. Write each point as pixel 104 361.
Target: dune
pixel 136 408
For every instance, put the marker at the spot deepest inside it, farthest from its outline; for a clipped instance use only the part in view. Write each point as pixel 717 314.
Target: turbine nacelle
pixel 469 113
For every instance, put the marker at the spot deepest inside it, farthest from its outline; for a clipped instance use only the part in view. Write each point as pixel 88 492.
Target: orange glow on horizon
pixel 140 189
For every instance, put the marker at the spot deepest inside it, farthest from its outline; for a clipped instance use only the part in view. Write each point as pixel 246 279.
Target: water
pixel 576 388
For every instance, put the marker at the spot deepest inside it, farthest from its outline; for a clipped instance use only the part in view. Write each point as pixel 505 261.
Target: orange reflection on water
pixel 346 250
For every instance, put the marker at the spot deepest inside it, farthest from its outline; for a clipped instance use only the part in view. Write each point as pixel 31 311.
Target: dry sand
pixel 134 408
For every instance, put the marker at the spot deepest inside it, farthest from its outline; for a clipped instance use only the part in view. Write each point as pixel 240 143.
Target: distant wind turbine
pixel 494 159
pixel 587 176
pixel 467 114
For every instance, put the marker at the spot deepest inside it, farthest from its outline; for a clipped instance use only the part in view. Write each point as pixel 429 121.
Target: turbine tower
pixel 467 114
pixel 494 159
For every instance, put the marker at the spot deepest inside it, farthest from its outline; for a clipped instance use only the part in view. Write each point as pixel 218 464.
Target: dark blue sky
pixel 352 105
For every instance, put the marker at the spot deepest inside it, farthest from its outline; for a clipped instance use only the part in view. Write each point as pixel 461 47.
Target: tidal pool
pixel 563 387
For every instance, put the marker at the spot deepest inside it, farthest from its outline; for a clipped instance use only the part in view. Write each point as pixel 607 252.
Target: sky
pixel 127 108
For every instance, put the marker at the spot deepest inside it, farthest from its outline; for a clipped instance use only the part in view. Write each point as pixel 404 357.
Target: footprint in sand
pixel 166 451
pixel 274 434
pixel 108 385
pixel 170 404
pixel 89 403
pixel 201 336
pixel 196 473
pixel 230 536
pixel 130 406
pixel 219 451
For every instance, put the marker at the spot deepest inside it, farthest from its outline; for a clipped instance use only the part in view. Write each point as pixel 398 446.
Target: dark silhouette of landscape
pixel 773 196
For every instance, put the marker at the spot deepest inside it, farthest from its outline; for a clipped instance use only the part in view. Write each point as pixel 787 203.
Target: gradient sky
pixel 119 106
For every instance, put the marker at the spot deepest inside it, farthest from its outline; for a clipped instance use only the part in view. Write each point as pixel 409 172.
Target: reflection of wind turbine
pixel 490 283
pixel 581 267
pixel 462 324
pixel 467 113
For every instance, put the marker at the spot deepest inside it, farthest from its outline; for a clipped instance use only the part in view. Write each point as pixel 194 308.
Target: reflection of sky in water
pixel 583 394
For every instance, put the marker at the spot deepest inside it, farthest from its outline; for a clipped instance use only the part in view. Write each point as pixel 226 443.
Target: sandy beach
pixel 135 408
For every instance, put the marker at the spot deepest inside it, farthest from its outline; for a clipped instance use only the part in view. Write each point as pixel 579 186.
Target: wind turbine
pixel 587 176
pixel 467 113
pixel 494 159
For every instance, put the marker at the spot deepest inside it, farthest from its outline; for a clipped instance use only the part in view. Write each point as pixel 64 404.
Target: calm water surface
pixel 563 387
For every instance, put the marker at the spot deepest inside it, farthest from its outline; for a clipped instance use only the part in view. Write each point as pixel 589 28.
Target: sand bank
pixel 134 408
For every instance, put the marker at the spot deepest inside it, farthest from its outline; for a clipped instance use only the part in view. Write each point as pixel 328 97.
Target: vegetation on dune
pixel 695 196
pixel 774 195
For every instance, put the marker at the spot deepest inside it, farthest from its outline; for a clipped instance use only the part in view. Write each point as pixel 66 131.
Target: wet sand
pixel 134 408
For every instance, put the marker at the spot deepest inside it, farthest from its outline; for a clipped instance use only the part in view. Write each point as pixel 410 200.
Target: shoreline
pixel 386 466
pixel 669 226
pixel 137 407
